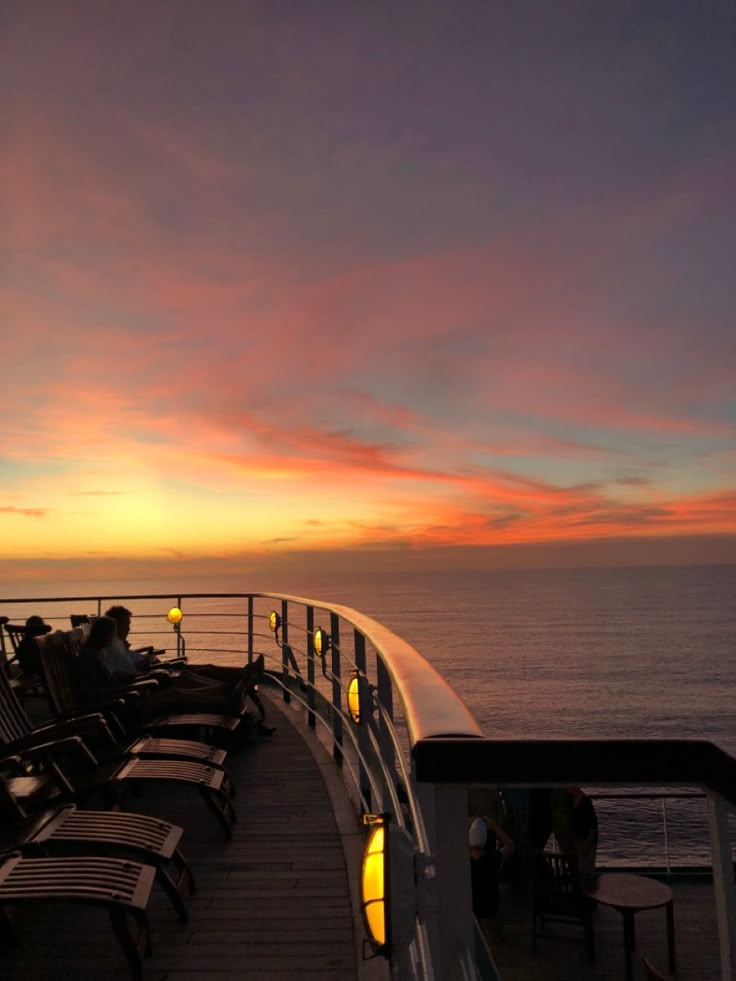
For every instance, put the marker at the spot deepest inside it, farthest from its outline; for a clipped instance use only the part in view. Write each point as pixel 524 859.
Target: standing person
pixel 490 846
pixel 584 828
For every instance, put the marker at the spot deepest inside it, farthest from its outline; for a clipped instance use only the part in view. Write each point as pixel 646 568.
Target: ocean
pixel 558 653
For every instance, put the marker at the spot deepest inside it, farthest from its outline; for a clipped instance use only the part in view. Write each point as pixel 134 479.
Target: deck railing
pixel 417 748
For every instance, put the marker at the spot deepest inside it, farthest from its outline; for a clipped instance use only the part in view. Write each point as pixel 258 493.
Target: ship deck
pixel 277 903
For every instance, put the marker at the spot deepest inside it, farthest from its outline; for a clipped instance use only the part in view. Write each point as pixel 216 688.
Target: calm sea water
pixel 593 652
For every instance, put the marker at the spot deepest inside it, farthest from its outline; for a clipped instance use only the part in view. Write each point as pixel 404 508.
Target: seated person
pixel 29 658
pixel 189 677
pixel 106 662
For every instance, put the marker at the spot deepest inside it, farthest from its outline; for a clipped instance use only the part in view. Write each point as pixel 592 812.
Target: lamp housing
pixel 354 698
pixel 388 888
pixel 174 616
pixel 322 642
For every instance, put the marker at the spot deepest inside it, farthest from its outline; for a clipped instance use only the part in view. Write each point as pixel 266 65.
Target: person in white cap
pixel 490 846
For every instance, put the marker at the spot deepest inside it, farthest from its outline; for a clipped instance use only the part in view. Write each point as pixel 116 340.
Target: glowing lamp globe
pixel 174 615
pixel 321 641
pixel 274 621
pixel 388 892
pixel 354 700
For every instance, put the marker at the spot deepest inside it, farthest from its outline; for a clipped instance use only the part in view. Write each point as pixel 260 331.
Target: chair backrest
pixel 58 652
pixel 14 723
pixel 16 632
pixel 651 971
pixel 556 882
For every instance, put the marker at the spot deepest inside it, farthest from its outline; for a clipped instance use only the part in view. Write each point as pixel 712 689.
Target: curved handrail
pixel 431 707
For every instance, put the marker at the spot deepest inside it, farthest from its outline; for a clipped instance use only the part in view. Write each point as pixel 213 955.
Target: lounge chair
pixel 24 685
pixel 59 749
pixel 119 885
pixel 65 831
pixel 57 653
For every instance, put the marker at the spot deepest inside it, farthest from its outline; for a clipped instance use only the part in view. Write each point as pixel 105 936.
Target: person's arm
pixel 507 845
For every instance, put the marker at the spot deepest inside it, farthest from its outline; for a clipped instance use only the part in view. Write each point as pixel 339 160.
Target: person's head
pixel 122 617
pixel 477 836
pixel 101 633
pixel 35 627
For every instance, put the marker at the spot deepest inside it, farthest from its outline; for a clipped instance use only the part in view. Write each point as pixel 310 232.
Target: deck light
pixel 387 886
pixel 274 621
pixel 354 699
pixel 174 615
pixel 322 642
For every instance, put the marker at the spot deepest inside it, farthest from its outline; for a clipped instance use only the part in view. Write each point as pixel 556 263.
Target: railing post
pixel 723 887
pixel 311 701
pixel 666 836
pixel 365 703
pixel 250 629
pixel 447 907
pixel 384 690
pixel 336 689
pixel 285 649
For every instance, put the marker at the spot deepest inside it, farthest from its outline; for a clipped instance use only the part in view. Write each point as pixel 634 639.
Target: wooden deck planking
pixel 272 904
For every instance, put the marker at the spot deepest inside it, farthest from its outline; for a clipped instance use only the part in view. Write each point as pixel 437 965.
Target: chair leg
pixel 221 807
pixel 186 881
pixel 132 948
pixel 7 934
pixel 589 935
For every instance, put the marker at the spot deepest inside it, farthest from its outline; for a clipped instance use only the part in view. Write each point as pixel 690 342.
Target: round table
pixel 629 894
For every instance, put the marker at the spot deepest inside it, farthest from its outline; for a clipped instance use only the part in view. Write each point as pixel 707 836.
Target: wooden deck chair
pixel 56 659
pixel 24 685
pixel 57 654
pixel 60 749
pixel 118 885
pixel 64 831
pixel 558 898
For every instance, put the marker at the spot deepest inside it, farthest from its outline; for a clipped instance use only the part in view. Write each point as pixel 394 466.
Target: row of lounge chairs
pixel 59 841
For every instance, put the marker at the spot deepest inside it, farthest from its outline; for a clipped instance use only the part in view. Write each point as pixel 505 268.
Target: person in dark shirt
pixel 489 847
pixel 584 828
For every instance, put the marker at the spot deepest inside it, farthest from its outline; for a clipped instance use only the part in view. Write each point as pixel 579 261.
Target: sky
pixel 390 278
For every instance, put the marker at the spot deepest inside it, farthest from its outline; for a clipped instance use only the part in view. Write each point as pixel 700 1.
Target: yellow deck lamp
pixel 354 699
pixel 274 623
pixel 174 616
pixel 322 642
pixel 388 892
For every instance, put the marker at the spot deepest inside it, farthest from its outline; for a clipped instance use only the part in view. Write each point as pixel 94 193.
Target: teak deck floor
pixel 271 904
pixel 275 902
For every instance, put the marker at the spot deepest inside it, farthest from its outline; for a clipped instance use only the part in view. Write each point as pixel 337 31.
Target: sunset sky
pixel 304 275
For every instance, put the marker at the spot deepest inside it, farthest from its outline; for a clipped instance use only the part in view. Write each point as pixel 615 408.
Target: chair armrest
pixel 93 724
pixel 45 751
